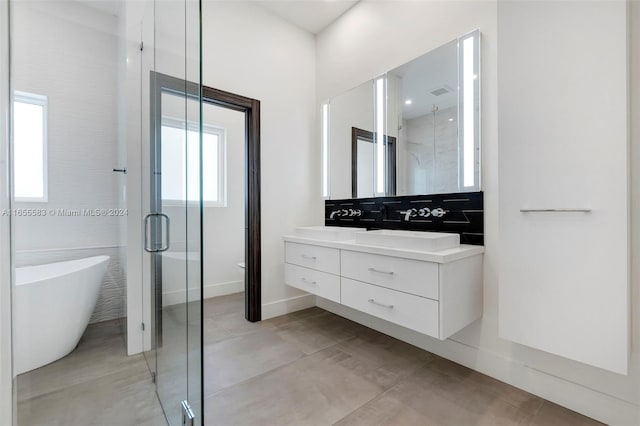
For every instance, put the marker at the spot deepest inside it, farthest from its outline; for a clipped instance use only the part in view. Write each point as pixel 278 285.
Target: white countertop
pixel 442 256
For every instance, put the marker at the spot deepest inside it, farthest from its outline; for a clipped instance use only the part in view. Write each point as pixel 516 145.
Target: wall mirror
pixel 414 130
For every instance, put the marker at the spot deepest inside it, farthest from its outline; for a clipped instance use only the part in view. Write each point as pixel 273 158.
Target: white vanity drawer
pixel 316 282
pixel 410 276
pixel 407 310
pixel 320 258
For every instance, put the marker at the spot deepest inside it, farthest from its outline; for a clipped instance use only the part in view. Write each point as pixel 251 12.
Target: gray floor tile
pixel 386 360
pixel 429 405
pixel 100 352
pixel 318 389
pixel 551 414
pixel 240 358
pixel 317 332
pixel 307 368
pixel 386 411
pixel 485 385
pixel 125 397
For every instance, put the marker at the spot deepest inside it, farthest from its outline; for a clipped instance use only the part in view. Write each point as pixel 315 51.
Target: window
pixel 30 147
pixel 178 183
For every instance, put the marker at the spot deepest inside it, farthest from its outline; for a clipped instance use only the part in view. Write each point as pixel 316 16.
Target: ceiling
pixel 310 15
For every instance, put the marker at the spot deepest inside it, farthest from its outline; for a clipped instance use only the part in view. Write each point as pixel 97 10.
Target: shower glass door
pixel 173 225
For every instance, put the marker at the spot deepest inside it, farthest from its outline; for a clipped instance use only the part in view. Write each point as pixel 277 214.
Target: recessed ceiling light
pixel 408 102
pixel 451 119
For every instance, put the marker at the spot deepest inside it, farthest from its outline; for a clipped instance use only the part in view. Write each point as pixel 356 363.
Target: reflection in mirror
pixel 438 105
pixel 348 110
pixel 427 102
pixel 432 117
pixel 363 158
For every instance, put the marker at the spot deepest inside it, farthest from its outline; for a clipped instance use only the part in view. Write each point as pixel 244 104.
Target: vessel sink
pixel 409 240
pixel 328 233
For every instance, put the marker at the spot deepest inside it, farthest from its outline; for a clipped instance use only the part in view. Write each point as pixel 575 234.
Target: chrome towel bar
pixel 555 210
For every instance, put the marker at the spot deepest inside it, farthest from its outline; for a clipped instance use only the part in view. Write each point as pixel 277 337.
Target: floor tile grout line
pixel 353 342
pixel 128 362
pixel 304 355
pixel 533 417
pixel 374 398
pixel 248 379
pixel 381 393
pixel 484 388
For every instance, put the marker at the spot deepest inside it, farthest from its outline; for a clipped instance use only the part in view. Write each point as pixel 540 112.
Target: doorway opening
pixel 251 109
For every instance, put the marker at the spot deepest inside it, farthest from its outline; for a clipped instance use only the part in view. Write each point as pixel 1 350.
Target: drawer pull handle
pixel 304 280
pixel 306 256
pixel 380 304
pixel 380 272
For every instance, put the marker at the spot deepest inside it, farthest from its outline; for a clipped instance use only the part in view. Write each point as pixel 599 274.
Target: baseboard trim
pixel 223 289
pixel 286 306
pixel 210 290
pixel 597 405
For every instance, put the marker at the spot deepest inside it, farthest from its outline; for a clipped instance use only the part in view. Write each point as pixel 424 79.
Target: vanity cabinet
pixel 563 179
pixel 436 298
pixel 406 275
pixel 319 283
pixel 416 313
pixel 323 259
pixel 313 269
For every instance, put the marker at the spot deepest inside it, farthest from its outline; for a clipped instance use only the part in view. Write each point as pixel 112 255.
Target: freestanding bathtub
pixel 53 304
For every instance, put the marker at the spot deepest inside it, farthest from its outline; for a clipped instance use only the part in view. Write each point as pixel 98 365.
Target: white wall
pixel 68 52
pixel 224 231
pixel 250 52
pixel 607 396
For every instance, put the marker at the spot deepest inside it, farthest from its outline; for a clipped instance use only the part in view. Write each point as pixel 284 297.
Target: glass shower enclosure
pixel 105 82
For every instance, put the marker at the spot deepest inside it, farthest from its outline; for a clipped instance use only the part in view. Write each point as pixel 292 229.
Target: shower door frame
pixel 8 394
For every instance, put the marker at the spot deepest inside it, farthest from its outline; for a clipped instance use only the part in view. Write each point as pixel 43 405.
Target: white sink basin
pixel 409 240
pixel 328 233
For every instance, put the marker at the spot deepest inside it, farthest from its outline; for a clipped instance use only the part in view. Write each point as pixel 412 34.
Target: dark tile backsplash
pixel 462 213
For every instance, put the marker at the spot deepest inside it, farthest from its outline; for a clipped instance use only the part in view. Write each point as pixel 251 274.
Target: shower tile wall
pixel 432 168
pixel 112 299
pixel 68 51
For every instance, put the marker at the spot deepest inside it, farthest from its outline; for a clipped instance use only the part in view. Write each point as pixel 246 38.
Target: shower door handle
pixel 147 221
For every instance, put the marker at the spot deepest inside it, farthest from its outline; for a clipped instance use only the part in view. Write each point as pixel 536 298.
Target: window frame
pixel 42 101
pixel 221 133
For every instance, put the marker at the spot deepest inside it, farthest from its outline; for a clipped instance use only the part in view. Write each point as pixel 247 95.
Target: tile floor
pixel 306 368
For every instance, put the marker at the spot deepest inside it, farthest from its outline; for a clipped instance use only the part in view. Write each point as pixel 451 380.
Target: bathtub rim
pixel 86 262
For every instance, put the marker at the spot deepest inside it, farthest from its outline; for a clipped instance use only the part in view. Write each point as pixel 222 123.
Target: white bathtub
pixel 174 267
pixel 53 304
